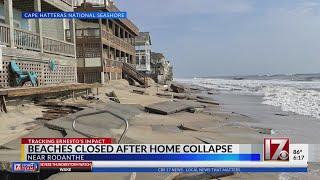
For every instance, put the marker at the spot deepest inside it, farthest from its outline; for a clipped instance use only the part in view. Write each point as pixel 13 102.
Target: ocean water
pixel 299 94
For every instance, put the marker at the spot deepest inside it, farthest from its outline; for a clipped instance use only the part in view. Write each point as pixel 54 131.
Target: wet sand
pixel 299 128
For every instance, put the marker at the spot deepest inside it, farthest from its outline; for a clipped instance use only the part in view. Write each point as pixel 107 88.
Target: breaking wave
pixel 301 97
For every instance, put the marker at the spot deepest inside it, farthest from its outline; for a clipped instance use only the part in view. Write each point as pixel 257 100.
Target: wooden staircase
pixel 130 72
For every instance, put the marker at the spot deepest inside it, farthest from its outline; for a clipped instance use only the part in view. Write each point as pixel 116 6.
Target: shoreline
pixel 299 128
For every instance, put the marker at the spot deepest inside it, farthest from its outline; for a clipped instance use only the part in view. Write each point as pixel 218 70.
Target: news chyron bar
pixel 102 155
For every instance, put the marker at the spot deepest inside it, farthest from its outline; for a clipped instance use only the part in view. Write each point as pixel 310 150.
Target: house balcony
pixel 113 63
pixel 106 5
pixel 109 37
pixel 28 40
pixel 143 67
pixel 90 35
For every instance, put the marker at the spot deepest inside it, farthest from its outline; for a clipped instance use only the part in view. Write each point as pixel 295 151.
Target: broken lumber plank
pixel 174 95
pixel 139 91
pixel 27 91
pixel 210 92
pixel 177 88
pixel 3 105
pixel 204 97
pixel 54 105
pixel 207 101
pixel 184 128
pixel 113 97
pixel 207 140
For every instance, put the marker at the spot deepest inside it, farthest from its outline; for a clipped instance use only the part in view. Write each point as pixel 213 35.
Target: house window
pixel 143 60
pixel 16 23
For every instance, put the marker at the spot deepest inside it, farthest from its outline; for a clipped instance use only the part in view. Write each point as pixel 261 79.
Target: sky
pixel 232 37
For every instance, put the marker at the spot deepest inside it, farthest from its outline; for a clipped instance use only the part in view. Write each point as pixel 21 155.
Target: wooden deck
pixel 28 40
pixel 28 91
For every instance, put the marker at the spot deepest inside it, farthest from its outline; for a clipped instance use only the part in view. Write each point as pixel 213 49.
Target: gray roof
pixel 142 38
pixel 156 57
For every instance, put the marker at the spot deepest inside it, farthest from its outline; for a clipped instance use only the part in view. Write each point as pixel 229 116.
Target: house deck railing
pixel 113 63
pixel 118 41
pixel 4 34
pixel 95 33
pixel 28 40
pixel 51 45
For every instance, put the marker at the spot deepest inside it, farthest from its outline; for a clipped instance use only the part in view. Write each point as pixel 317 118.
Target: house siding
pixel 53 28
pixel 23 23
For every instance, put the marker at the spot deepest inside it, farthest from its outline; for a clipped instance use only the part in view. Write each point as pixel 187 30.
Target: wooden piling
pixel 3 105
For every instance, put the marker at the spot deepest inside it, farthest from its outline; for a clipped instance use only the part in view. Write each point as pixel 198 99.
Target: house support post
pixel 37 8
pixel 9 20
pixel 3 105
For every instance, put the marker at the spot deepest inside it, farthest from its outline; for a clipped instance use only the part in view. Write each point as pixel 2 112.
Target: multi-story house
pixel 161 68
pixel 37 45
pixel 104 46
pixel 143 52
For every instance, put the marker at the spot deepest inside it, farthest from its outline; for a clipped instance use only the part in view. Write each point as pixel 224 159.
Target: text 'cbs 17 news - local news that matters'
pixel 101 155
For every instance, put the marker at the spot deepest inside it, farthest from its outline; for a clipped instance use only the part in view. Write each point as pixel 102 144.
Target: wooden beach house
pixel 105 47
pixel 34 45
pixel 161 68
pixel 143 52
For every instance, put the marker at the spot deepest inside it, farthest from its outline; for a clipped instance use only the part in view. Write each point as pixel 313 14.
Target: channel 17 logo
pixel 276 149
pixel 25 167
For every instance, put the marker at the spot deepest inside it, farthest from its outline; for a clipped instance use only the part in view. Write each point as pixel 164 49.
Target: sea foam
pixel 301 97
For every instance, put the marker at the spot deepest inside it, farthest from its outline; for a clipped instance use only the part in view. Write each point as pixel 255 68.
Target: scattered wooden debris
pixel 53 105
pixel 58 111
pixel 113 97
pixel 207 101
pixel 210 92
pixel 204 97
pixel 177 88
pixel 196 110
pixel 172 95
pixel 240 114
pixel 140 91
pixel 207 140
pixel 278 114
pixel 131 81
pixel 32 127
pixel 184 128
pixel 195 89
pixel 192 97
pixel 90 97
pixel 267 131
pixel 3 105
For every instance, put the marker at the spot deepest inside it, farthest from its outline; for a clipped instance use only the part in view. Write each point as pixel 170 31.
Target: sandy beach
pixel 215 123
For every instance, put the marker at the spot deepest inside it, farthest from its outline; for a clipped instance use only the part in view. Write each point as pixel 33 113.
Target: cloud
pixel 298 9
pixel 235 36
pixel 188 7
pixel 182 7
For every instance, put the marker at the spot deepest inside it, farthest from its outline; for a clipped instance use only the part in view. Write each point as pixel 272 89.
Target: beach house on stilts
pixel 105 47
